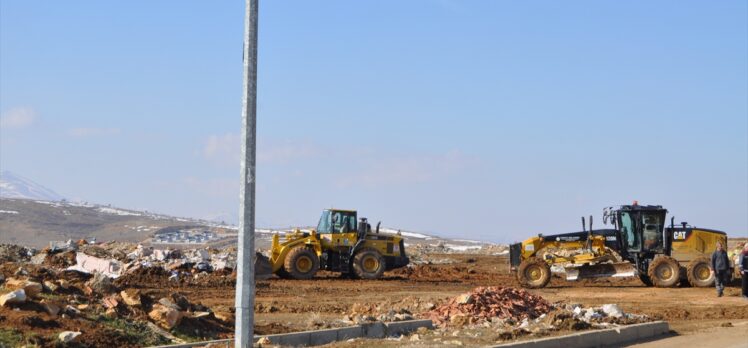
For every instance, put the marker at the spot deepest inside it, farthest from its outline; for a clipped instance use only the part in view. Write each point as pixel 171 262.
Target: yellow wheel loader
pixel 638 244
pixel 340 243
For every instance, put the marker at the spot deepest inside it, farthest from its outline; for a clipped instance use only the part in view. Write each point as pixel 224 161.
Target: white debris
pixel 13 297
pixel 62 245
pixel 91 264
pixel 68 336
pixel 612 310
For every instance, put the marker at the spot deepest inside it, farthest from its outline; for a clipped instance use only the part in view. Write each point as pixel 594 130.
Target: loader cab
pixel 337 221
pixel 642 228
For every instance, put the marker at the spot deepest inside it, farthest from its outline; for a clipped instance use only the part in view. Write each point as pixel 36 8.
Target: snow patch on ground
pixel 50 203
pixel 81 204
pixel 8 212
pixel 117 212
pixel 405 234
pixel 469 241
pixel 462 247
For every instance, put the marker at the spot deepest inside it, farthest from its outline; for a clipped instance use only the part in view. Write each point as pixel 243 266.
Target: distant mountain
pixel 16 186
pixel 37 222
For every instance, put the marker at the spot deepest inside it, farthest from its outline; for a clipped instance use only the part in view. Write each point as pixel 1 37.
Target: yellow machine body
pixel 693 243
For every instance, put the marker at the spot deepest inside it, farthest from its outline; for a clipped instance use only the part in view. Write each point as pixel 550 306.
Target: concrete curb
pixel 372 330
pixel 598 338
pixel 319 337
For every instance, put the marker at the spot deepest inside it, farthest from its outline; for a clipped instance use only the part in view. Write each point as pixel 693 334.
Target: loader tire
pixel 368 264
pixel 534 273
pixel 699 274
pixel 301 263
pixel 283 274
pixel 664 272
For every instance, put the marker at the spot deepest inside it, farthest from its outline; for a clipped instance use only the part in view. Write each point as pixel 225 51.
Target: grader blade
pixel 622 269
pixel 263 269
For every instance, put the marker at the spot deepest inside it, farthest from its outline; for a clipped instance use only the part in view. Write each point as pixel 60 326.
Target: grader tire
pixel 301 263
pixel 699 274
pixel 534 273
pixel 645 279
pixel 664 272
pixel 368 264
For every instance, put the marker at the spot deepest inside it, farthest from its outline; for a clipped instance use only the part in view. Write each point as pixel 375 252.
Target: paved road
pixel 723 337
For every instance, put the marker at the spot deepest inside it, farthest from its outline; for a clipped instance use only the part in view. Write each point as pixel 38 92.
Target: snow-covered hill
pixel 16 186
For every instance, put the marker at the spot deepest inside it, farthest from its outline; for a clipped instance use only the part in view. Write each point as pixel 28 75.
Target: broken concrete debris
pixel 13 297
pixel 68 336
pixel 91 264
pixel 131 297
pixel 32 289
pixel 167 317
pixel 100 283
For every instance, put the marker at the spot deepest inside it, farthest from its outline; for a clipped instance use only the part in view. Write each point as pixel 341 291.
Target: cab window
pixel 343 222
pixel 628 229
pixel 652 233
pixel 324 225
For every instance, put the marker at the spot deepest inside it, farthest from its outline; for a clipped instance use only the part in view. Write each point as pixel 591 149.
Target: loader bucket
pixel 263 270
pixel 601 270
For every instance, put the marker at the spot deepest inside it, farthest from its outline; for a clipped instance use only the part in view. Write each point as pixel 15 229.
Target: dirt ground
pixel 294 305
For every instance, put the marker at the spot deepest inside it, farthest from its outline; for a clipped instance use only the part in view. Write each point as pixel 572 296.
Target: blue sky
pixel 492 120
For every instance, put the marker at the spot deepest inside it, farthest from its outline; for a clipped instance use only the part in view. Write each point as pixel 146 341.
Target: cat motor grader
pixel 340 243
pixel 638 244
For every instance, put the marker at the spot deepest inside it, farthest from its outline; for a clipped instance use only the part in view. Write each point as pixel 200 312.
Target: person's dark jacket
pixel 744 261
pixel 720 261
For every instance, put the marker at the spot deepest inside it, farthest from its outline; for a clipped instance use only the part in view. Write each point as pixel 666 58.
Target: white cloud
pixel 397 170
pixel 222 148
pixel 213 187
pixel 284 152
pixel 92 132
pixel 226 149
pixel 18 117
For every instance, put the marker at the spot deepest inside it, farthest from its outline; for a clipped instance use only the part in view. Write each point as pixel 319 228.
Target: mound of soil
pixel 144 277
pixel 60 260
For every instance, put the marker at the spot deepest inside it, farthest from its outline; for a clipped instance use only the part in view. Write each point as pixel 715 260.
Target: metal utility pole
pixel 245 275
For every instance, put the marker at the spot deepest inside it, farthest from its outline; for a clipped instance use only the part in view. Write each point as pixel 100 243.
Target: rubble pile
pixel 568 318
pixel 362 313
pixel 485 303
pixel 71 283
pixel 604 315
pixel 15 253
pixel 494 249
pixel 433 254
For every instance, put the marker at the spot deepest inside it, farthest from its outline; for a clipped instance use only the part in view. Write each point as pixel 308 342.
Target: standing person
pixel 720 266
pixel 743 266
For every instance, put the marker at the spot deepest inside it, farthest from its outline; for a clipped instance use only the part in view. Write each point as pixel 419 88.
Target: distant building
pixel 188 236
